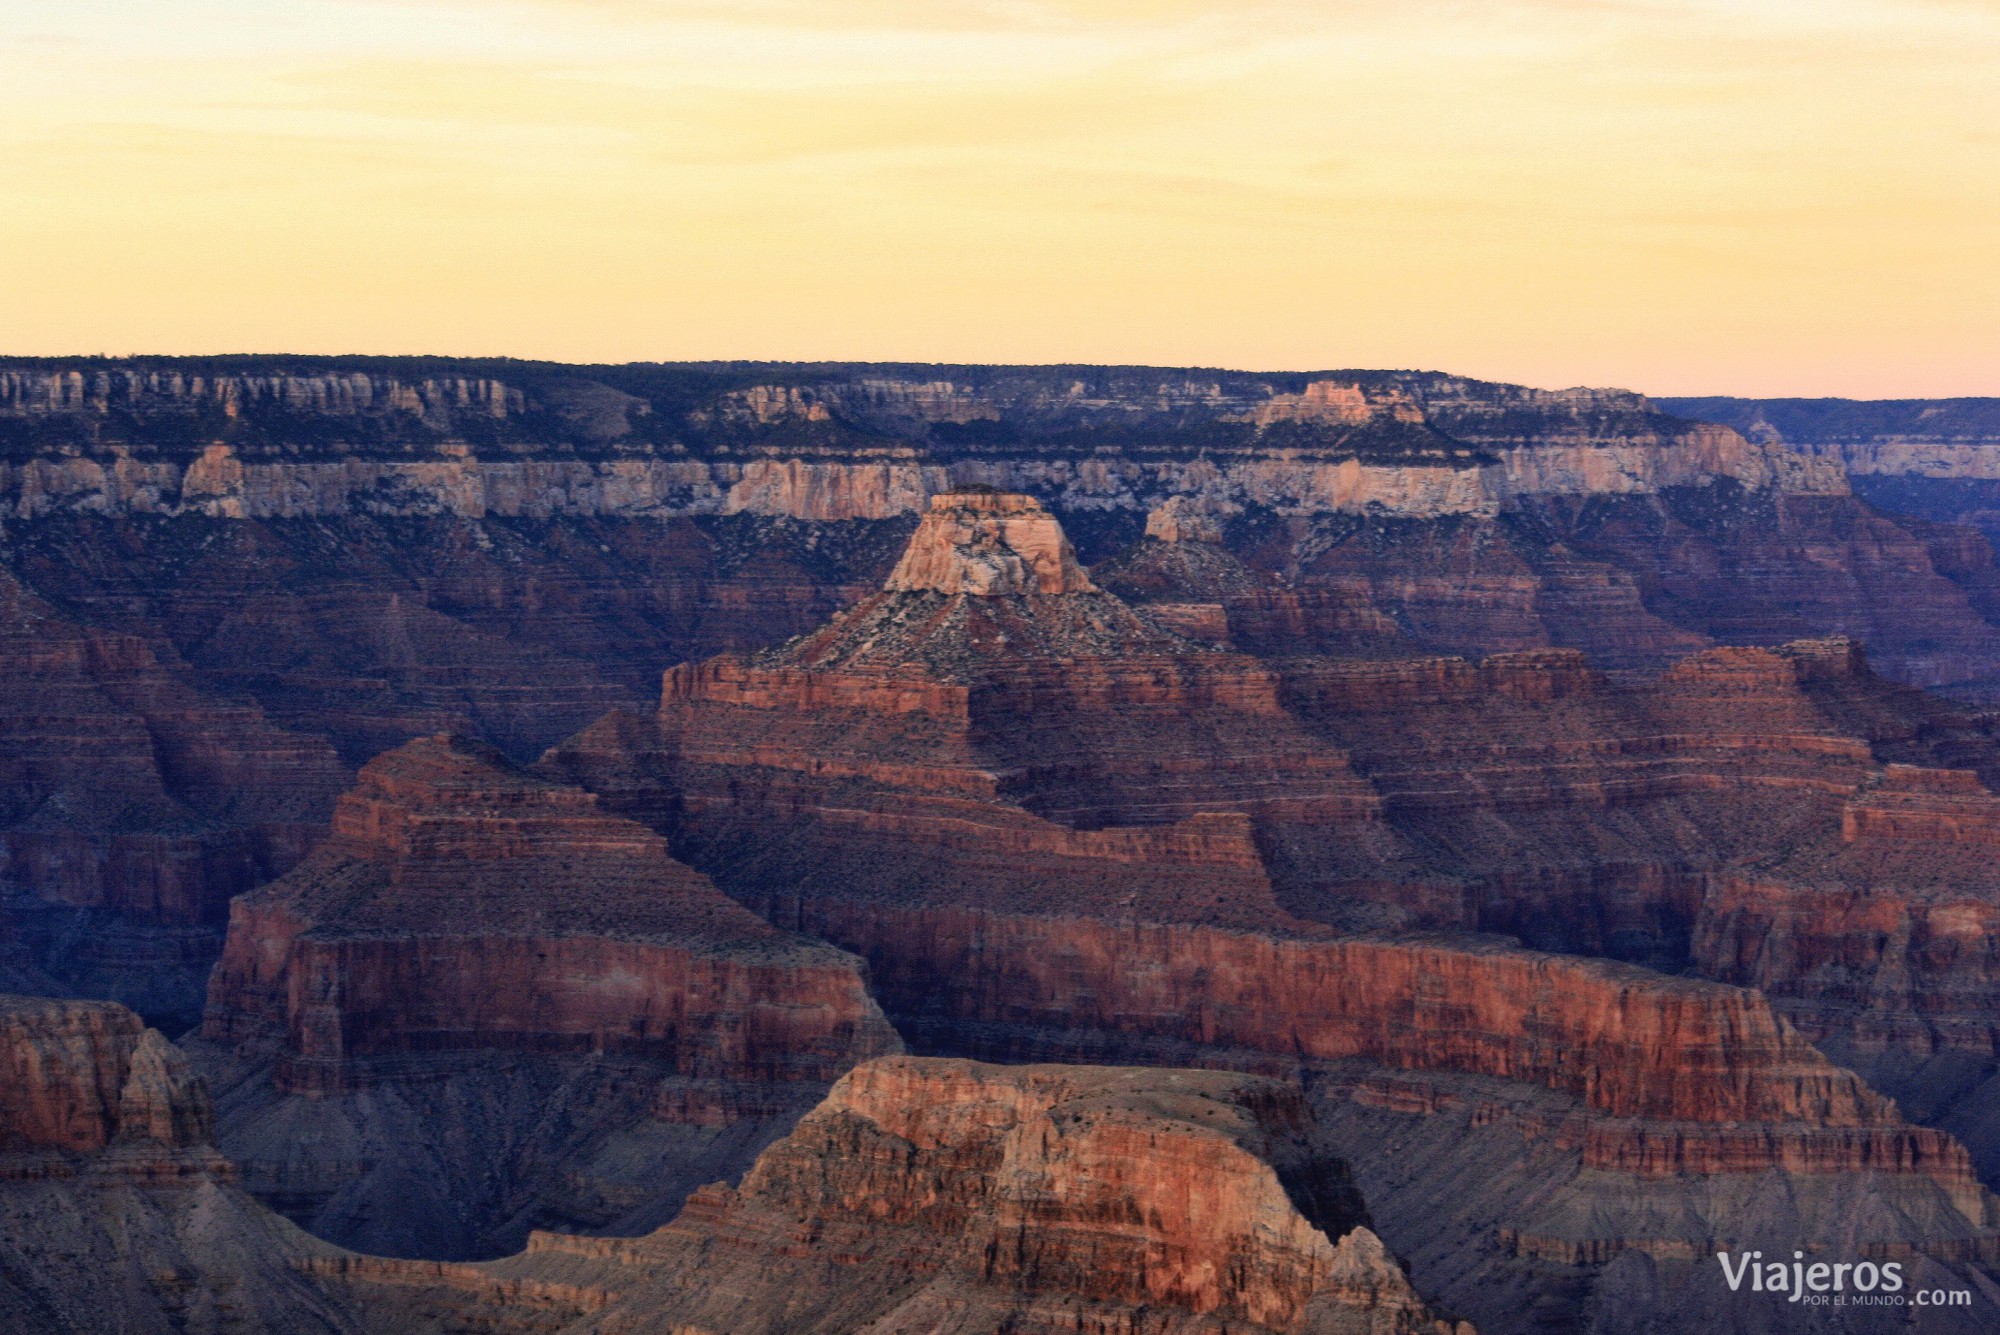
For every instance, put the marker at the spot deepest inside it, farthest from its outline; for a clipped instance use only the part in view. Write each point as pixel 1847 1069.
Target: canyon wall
pixel 951 1195
pixel 1054 832
pixel 287 553
pixel 1957 439
pixel 473 950
pixel 834 443
pixel 1102 713
pixel 116 1212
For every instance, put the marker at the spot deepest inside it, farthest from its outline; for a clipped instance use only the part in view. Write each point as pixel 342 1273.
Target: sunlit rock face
pixel 1147 849
pixel 987 544
pixel 950 1195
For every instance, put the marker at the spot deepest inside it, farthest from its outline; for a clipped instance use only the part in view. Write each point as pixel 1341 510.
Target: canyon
pixel 365 550
pixel 942 1192
pixel 527 791
pixel 929 1194
pixel 483 1004
pixel 1058 831
pixel 116 1213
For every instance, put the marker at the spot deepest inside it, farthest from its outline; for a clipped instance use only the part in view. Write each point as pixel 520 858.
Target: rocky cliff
pixel 820 442
pixel 929 1195
pixel 478 949
pixel 1921 438
pixel 116 1213
pixel 367 550
pixel 1108 713
pixel 134 804
pixel 1123 845
pixel 1876 938
pixel 1934 463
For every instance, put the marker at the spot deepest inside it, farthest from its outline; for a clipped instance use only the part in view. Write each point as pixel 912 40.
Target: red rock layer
pixel 988 829
pixel 1676 1075
pixel 116 1212
pixel 461 905
pixel 929 1194
pixel 1878 938
pixel 76 1076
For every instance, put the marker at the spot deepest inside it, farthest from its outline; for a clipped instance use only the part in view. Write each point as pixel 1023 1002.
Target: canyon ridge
pixel 756 847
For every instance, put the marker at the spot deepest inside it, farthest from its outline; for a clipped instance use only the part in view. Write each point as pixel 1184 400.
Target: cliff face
pixel 951 1195
pixel 1940 439
pixel 82 1074
pixel 1876 939
pixel 1935 463
pixel 463 914
pixel 134 804
pixel 1240 792
pixel 174 437
pixel 370 550
pixel 1049 845
pixel 116 1213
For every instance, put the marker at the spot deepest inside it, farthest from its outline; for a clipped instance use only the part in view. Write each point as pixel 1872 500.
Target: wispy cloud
pixel 1674 193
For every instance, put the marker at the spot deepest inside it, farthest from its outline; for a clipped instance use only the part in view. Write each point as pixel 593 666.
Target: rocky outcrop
pixel 83 1074
pixel 116 1213
pixel 461 904
pixel 464 916
pixel 987 580
pixel 907 787
pixel 988 544
pixel 950 1195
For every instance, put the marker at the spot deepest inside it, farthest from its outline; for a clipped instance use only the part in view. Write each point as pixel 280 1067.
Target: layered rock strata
pixel 905 782
pixel 494 956
pixel 134 805
pixel 378 549
pixel 1876 940
pixel 116 1213
pixel 929 1195
pixel 510 547
pixel 175 438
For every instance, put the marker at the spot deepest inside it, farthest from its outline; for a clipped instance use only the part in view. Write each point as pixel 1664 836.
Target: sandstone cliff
pixel 929 1195
pixel 1049 845
pixel 463 921
pixel 115 1211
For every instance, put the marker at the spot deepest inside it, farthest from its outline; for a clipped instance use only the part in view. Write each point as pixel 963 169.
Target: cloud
pixel 1536 189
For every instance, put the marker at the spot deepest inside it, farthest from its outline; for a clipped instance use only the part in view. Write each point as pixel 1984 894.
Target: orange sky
pixel 1765 197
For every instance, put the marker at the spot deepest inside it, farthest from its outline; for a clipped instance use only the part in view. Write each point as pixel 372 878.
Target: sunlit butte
pixel 1737 196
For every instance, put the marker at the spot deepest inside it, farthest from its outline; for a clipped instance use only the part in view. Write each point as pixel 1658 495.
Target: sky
pixel 1766 197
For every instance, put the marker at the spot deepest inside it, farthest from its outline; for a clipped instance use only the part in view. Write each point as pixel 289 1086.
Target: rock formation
pixel 1342 670
pixel 134 805
pixel 115 1211
pixel 372 550
pixel 932 1195
pixel 1052 844
pixel 1876 940
pixel 477 963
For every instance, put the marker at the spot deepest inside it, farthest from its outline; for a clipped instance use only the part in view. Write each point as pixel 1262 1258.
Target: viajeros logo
pixel 1831 1283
